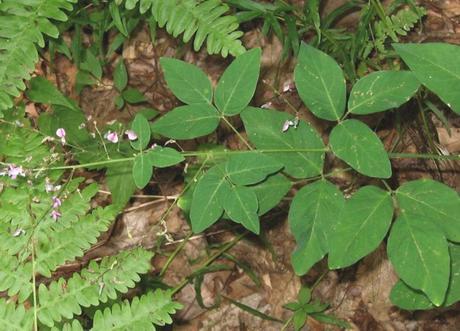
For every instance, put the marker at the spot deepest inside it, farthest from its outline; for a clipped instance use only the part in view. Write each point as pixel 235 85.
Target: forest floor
pixel 262 276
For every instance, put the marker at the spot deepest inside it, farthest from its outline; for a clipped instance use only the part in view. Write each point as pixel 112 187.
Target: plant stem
pixel 211 259
pixel 244 141
pixel 423 156
pixel 268 151
pixel 174 254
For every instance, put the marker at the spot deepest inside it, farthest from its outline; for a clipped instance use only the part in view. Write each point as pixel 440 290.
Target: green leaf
pixel 92 65
pixel 142 170
pixel 238 83
pixel 43 91
pixel 360 227
pixel 188 83
pixel 162 157
pixel 382 90
pixel 132 95
pixel 241 206
pixel 300 149
pixel 313 212
pixel 330 319
pixel 120 182
pixel 408 298
pixel 271 191
pixel 356 144
pixel 195 121
pixel 15 318
pixel 419 253
pixel 299 319
pixel 120 76
pixel 437 67
pixel 251 168
pixel 433 201
pixel 141 127
pixel 206 208
pixel 118 20
pixel 142 313
pixel 320 83
pixel 304 295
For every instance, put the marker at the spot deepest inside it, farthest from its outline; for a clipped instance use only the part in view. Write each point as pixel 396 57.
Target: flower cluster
pixel 13 171
pixel 55 214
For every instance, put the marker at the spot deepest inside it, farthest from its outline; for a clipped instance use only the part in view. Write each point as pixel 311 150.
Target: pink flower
pixel 112 137
pixel 14 171
pixel 56 202
pixel 131 135
pixel 61 134
pixel 55 214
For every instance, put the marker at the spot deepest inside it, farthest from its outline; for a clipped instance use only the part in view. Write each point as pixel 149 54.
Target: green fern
pixel 97 283
pixel 396 25
pixel 203 19
pixel 14 318
pixel 141 314
pixel 22 26
pixel 33 245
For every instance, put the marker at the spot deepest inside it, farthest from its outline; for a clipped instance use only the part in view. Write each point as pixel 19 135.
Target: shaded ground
pixel 358 294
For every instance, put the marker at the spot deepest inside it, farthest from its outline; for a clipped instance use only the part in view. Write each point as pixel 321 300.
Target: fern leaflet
pixel 22 26
pixel 141 314
pixel 203 19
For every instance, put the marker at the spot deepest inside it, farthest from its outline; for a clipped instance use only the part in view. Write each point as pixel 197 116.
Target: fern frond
pixel 396 25
pixel 22 26
pixel 66 244
pixel 203 19
pixel 141 314
pixel 14 318
pixel 15 277
pixel 74 326
pixel 96 283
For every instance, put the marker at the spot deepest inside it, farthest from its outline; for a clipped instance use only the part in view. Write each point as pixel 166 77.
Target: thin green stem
pixel 268 151
pixel 211 259
pixel 424 156
pixel 34 286
pixel 243 140
pixel 174 254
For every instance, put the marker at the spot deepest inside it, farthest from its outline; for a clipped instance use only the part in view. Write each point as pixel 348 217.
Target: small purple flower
pixel 56 202
pixel 14 171
pixel 131 135
pixel 112 137
pixel 61 134
pixel 55 214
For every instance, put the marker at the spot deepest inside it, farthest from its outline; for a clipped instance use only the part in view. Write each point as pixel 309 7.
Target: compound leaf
pixel 188 83
pixel 312 214
pixel 162 157
pixel 141 127
pixel 251 168
pixel 320 83
pixel 187 122
pixel 238 83
pixel 382 90
pixel 241 206
pixel 436 65
pixel 356 144
pixel 360 227
pixel 433 201
pixel 270 192
pixel 419 252
pixel 206 208
pixel 142 170
pixel 300 149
